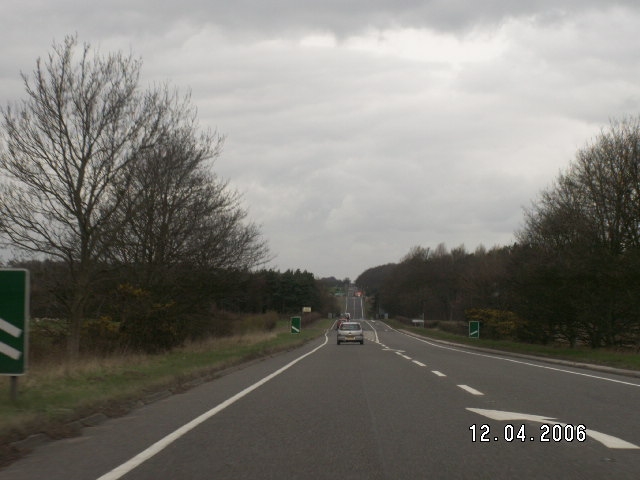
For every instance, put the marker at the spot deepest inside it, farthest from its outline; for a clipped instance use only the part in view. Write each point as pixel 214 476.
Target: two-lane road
pixel 354 305
pixel 395 407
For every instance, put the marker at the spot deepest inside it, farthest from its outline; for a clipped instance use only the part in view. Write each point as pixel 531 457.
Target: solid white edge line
pixel 163 443
pixel 375 332
pixel 472 391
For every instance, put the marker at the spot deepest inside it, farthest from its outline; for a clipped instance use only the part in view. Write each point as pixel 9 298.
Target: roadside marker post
pixel 14 315
pixel 474 329
pixel 296 324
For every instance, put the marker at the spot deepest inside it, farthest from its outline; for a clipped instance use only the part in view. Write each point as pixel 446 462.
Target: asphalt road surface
pixel 396 407
pixel 354 306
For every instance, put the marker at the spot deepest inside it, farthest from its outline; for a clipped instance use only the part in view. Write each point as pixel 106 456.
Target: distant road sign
pixel 295 324
pixel 474 329
pixel 306 309
pixel 14 314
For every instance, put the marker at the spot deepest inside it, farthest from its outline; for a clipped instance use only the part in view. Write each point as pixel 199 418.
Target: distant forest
pixel 573 274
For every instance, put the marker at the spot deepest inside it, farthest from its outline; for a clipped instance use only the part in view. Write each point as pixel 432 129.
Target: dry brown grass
pixel 59 367
pixel 249 338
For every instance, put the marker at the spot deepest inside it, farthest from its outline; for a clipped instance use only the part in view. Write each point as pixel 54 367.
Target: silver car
pixel 350 332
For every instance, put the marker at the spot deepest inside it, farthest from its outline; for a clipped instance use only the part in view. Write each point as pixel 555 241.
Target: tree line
pixel 108 191
pixel 571 275
pixel 190 304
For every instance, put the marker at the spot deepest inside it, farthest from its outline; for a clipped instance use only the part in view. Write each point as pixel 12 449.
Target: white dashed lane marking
pixel 472 391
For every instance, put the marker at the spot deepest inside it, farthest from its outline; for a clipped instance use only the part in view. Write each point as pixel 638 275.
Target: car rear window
pixel 350 326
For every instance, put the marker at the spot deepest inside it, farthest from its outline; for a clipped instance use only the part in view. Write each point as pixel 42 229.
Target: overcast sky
pixel 358 129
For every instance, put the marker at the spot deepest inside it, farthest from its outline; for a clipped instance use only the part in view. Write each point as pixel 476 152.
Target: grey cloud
pixel 341 17
pixel 349 157
pixel 344 18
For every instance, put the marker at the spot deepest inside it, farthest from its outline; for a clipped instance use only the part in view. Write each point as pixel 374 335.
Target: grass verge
pixel 52 395
pixel 605 357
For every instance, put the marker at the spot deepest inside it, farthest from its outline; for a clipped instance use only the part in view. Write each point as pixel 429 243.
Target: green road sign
pixel 14 312
pixel 474 329
pixel 295 324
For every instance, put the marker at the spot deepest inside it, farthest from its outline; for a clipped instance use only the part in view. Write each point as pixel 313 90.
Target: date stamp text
pixel 551 433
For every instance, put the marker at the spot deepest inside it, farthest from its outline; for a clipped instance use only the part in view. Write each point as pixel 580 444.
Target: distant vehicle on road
pixel 350 332
pixel 344 317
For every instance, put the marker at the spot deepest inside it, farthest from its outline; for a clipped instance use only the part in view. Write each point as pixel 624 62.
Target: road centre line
pixel 505 359
pixel 440 374
pixel 419 363
pixel 163 443
pixel 472 391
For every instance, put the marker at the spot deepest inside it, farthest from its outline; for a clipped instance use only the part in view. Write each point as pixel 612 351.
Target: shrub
pixel 454 327
pixel 309 318
pixel 265 322
pixel 495 324
pixel 101 335
pixel 47 338
pixel 154 333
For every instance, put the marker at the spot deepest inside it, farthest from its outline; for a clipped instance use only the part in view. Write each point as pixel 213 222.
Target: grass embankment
pixel 53 394
pixel 605 357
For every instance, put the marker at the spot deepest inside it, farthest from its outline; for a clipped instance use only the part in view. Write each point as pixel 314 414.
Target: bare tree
pixel 177 211
pixel 608 172
pixel 67 158
pixel 586 232
pixel 597 198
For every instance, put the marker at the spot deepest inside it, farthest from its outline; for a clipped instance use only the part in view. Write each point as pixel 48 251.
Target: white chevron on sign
pixel 14 332
pixel 9 328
